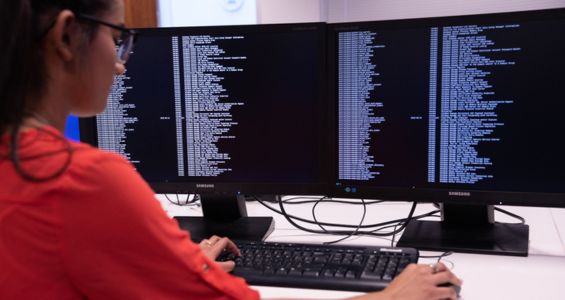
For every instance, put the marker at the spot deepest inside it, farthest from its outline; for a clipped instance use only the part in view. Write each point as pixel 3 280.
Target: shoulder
pixel 85 157
pixel 102 193
pixel 96 171
pixel 98 165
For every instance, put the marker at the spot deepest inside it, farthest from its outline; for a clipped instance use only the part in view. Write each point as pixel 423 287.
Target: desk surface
pixel 541 275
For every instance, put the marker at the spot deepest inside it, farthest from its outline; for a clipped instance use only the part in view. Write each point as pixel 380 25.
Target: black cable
pixel 521 219
pixel 186 202
pixel 351 233
pixel 314 214
pixel 515 216
pixel 323 223
pixel 171 201
pixel 328 200
pixel 428 214
pixel 290 200
pixel 341 232
pixel 345 225
pixel 393 236
pixel 439 257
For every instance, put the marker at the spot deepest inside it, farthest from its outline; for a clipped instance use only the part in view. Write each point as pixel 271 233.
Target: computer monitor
pixel 465 111
pixel 223 112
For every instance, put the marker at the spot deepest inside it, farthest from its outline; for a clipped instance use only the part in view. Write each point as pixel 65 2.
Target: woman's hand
pixel 423 282
pixel 215 245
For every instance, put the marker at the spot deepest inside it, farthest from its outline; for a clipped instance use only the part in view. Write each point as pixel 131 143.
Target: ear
pixel 66 36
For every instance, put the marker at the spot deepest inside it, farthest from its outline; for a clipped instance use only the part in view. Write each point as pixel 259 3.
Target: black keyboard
pixel 333 267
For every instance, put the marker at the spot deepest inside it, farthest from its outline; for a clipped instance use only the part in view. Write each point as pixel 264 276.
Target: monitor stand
pixel 467 228
pixel 226 216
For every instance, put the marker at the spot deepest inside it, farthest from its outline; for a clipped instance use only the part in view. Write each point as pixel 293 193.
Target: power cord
pixel 434 213
pixel 347 236
pixel 194 202
pixel 323 223
pixel 515 216
pixel 293 200
pixel 341 232
pixel 357 231
pixel 439 257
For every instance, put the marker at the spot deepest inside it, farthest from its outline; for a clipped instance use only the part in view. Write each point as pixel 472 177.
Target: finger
pixel 227 266
pixel 214 239
pixel 211 240
pixel 229 245
pixel 216 249
pixel 423 269
pixel 440 267
pixel 232 247
pixel 431 268
pixel 446 276
pixel 445 293
pixel 205 243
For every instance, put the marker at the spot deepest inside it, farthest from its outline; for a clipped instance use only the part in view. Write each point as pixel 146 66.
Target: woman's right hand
pixel 420 282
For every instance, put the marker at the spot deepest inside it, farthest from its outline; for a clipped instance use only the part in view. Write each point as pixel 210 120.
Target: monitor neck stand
pixel 226 216
pixel 467 228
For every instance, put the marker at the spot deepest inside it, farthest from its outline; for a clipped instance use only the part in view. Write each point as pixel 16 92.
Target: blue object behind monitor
pixel 71 129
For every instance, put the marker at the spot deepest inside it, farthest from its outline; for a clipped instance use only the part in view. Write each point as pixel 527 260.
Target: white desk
pixel 541 275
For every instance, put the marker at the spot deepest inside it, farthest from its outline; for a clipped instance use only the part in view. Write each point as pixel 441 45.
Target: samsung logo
pixel 204 186
pixel 460 194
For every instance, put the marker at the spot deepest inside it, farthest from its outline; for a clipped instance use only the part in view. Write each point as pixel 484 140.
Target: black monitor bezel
pixel 421 194
pixel 89 134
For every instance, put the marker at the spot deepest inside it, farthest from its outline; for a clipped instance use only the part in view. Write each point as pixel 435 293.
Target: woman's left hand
pixel 215 245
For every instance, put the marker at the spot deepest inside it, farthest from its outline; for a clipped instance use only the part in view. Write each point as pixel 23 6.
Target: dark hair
pixel 22 73
pixel 22 66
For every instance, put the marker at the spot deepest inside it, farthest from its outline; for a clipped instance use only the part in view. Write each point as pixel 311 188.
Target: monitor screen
pixel 235 109
pixel 223 112
pixel 459 110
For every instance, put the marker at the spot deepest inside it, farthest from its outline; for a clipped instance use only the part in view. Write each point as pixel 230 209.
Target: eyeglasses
pixel 126 41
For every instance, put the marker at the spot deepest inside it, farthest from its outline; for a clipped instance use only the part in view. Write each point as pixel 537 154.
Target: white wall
pixel 291 11
pixel 287 11
pixel 206 12
pixel 213 12
pixel 366 10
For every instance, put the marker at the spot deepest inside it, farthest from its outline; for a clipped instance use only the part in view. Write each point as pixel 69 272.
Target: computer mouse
pixel 455 287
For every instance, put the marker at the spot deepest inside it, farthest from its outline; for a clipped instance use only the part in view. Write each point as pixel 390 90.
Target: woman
pixel 79 223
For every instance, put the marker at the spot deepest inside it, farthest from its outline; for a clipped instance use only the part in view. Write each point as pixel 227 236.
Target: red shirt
pixel 94 232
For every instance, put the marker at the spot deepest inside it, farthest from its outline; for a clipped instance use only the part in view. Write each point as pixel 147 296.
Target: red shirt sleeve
pixel 118 243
